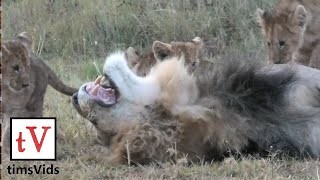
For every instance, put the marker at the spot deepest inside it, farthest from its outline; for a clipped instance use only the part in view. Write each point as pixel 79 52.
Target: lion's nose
pixel 75 98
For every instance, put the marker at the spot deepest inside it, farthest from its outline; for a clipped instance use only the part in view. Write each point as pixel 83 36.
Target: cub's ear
pixel 261 16
pixel 5 52
pixel 299 17
pixel 132 56
pixel 198 42
pixel 161 50
pixel 26 40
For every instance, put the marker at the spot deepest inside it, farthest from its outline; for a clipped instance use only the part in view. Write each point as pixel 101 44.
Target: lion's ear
pixel 198 42
pixel 299 17
pixel 26 40
pixel 161 50
pixel 132 56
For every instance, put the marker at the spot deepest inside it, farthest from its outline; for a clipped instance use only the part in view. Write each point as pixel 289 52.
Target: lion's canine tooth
pixel 105 83
pixel 94 92
pixel 102 79
pixel 98 80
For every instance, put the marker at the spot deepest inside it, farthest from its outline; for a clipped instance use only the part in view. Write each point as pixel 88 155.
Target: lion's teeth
pixel 94 92
pixel 105 83
pixel 102 79
pixel 98 80
pixel 110 91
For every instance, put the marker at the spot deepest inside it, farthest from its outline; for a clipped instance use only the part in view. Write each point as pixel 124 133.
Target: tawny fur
pixel 141 63
pixel 292 31
pixel 239 107
pixel 24 82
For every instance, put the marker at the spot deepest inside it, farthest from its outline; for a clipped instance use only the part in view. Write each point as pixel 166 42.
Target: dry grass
pixel 65 33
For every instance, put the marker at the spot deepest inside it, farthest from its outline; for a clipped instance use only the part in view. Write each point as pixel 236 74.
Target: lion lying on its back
pixel 24 82
pixel 241 107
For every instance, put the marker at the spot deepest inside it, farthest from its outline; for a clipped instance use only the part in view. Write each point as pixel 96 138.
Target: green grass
pixel 89 29
pixel 74 37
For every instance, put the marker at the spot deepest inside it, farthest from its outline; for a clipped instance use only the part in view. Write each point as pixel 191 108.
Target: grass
pixel 83 29
pixel 72 34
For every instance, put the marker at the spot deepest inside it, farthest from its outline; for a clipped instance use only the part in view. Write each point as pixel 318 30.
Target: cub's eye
pixel 163 56
pixel 16 68
pixel 282 43
pixel 269 44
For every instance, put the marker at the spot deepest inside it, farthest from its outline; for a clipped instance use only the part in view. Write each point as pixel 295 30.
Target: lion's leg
pixel 306 47
pixel 6 139
pixel 5 136
pixel 315 59
pixel 302 55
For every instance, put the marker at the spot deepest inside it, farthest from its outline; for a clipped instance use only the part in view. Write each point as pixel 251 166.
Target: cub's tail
pixel 57 84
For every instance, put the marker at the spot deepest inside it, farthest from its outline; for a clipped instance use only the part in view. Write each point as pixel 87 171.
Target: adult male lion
pixel 292 30
pixel 234 107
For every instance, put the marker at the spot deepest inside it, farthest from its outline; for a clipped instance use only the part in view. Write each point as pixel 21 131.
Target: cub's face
pixel 16 60
pixel 283 31
pixel 141 63
pixel 281 43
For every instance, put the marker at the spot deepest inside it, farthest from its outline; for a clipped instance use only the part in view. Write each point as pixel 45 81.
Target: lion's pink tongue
pixel 107 96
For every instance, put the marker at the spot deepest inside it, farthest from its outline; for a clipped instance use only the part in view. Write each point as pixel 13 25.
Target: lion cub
pixel 24 82
pixel 292 30
pixel 141 63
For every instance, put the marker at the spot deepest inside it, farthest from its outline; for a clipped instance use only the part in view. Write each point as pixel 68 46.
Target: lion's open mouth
pixel 104 91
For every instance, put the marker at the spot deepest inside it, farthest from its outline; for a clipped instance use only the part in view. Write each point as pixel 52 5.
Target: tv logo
pixel 33 138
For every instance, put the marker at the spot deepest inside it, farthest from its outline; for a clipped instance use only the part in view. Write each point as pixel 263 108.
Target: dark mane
pixel 238 85
pixel 253 102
